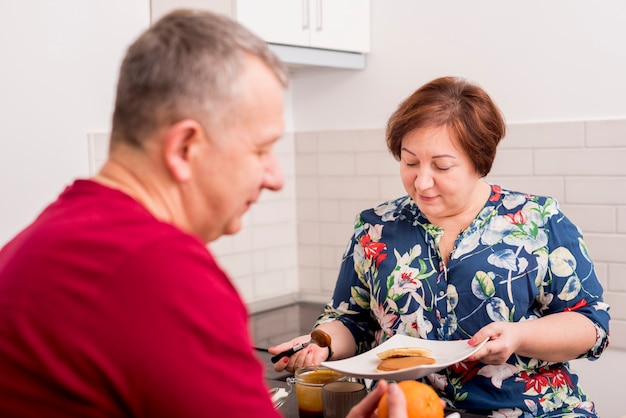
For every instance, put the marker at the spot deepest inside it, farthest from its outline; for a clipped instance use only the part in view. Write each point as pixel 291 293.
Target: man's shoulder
pixel 100 228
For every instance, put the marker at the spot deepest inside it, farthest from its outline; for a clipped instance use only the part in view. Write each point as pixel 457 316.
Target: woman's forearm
pixel 343 344
pixel 558 337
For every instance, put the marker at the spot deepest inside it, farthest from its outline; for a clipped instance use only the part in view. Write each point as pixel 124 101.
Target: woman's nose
pixel 423 181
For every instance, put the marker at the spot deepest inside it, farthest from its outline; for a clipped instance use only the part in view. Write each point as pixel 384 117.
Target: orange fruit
pixel 421 401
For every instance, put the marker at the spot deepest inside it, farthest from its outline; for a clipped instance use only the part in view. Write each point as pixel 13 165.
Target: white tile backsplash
pixel 617 277
pixel 307 210
pixel 309 233
pixel 329 211
pixel 309 255
pixel 273 212
pixel 337 164
pixel 621 219
pixel 389 187
pixel 306 142
pixel 379 163
pixel 337 141
pixel 307 187
pixel 544 135
pixel 274 235
pixel 603 220
pixel 580 162
pixel 608 248
pixel 309 280
pixel 606 133
pixel 306 164
pixel 331 254
pixel 596 190
pixel 349 187
pixel 513 162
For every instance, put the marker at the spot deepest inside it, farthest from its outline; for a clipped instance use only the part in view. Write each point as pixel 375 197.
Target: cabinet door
pixel 343 25
pixel 277 21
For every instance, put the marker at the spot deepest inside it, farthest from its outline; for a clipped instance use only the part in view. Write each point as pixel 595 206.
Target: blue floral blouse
pixel 519 260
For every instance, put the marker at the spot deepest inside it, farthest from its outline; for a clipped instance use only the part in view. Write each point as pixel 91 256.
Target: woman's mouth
pixel 427 198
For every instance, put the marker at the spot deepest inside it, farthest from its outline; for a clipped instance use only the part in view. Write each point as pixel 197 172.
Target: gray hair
pixel 186 65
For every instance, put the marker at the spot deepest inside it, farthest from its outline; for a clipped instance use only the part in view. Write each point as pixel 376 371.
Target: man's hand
pixel 367 407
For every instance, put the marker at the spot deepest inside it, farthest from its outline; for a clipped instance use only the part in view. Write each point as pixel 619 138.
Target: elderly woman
pixel 459 258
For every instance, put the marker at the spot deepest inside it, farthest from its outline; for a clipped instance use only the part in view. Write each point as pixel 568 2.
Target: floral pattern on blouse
pixel 519 260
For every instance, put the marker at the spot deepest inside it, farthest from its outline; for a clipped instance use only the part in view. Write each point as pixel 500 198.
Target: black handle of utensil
pixel 289 353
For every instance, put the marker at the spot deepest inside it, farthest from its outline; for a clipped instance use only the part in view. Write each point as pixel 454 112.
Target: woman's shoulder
pixel 400 208
pixel 540 209
pixel 510 196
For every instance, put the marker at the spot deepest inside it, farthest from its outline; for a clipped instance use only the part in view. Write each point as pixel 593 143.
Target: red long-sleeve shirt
pixel 106 311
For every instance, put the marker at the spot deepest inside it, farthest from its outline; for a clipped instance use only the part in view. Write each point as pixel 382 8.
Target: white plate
pixel 445 353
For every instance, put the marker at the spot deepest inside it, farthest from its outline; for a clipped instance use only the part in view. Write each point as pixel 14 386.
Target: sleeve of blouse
pixel 351 298
pixel 571 283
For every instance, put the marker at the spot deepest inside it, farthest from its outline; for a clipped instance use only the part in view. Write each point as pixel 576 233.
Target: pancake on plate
pixel 403 358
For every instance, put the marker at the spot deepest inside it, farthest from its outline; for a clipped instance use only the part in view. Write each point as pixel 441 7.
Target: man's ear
pixel 179 144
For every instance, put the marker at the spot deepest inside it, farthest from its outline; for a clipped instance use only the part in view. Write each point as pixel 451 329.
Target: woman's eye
pixel 443 168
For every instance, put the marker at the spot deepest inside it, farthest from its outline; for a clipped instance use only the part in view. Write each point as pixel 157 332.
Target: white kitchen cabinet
pixel 276 21
pixel 303 33
pixel 342 25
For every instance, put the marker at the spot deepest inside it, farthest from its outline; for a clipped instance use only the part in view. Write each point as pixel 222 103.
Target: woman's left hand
pixel 503 342
pixel 561 336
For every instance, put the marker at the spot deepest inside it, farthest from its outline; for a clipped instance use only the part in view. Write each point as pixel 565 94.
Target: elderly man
pixel 110 303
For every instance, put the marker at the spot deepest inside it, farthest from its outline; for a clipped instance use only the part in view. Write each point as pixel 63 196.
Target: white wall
pixel 58 68
pixel 541 61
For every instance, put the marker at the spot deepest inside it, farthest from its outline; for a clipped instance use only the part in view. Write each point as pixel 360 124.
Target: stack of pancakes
pixel 403 358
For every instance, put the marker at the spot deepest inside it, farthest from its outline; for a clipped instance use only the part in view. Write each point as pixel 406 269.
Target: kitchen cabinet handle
pixel 320 12
pixel 305 15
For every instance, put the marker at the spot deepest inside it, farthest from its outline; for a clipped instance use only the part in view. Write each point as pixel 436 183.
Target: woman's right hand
pixel 311 355
pixel 342 345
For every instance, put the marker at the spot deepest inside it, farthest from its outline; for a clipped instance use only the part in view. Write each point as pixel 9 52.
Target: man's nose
pixel 273 177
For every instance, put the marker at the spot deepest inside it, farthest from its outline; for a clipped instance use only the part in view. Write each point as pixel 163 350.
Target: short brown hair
pixel 184 66
pixel 464 108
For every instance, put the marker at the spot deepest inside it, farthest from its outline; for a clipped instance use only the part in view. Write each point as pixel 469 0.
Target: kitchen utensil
pixel 318 337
